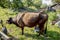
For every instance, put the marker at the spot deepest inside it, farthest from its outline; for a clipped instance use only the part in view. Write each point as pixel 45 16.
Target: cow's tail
pixel 45 31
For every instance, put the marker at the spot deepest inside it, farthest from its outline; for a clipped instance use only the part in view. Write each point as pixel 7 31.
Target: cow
pixel 29 19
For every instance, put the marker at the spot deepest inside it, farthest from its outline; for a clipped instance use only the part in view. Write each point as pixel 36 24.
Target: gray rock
pixel 58 23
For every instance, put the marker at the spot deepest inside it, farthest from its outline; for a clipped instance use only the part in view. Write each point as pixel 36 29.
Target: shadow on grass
pixel 51 35
pixel 27 9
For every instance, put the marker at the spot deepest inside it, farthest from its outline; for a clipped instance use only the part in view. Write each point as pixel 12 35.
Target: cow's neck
pixel 15 24
pixel 15 21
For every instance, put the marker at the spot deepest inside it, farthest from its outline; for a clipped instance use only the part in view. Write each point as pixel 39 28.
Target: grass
pixel 53 32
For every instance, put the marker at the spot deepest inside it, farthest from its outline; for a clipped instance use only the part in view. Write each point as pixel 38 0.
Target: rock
pixel 58 15
pixel 58 23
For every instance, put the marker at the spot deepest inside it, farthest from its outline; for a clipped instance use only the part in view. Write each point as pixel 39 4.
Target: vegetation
pixel 57 1
pixel 19 3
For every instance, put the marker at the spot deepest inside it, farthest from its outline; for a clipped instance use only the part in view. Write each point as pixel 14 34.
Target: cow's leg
pixel 41 29
pixel 22 30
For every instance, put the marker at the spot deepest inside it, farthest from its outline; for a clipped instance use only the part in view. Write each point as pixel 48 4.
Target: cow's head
pixel 10 21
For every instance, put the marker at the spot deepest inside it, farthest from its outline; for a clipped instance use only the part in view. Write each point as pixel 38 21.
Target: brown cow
pixel 29 19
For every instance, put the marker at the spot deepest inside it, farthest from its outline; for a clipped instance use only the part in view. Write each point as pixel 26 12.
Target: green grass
pixel 53 32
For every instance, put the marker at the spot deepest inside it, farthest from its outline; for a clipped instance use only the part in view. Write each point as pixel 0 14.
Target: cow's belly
pixel 30 19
